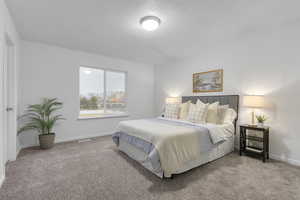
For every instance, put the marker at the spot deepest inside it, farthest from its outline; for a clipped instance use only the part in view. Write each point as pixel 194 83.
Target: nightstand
pixel 260 138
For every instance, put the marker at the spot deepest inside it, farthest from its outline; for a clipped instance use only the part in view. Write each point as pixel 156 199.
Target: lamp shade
pixel 173 100
pixel 254 101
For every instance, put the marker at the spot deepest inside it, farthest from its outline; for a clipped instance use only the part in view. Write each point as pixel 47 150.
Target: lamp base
pixel 252 116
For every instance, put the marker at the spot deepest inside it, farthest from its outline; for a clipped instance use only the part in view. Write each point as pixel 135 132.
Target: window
pixel 102 93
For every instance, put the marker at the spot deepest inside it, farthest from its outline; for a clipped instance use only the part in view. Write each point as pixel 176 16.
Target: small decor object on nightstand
pixel 261 141
pixel 260 120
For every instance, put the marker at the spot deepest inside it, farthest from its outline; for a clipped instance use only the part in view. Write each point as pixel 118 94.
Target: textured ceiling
pixel 111 27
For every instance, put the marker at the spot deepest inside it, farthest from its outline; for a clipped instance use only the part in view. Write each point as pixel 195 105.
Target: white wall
pixel 7 28
pixel 50 71
pixel 262 61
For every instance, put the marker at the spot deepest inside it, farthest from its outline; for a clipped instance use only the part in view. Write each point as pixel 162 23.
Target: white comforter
pixel 177 142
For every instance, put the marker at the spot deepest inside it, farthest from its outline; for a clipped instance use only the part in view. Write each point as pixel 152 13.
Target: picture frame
pixel 209 81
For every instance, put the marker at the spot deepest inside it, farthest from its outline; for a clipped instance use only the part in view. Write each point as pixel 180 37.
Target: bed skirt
pixel 140 156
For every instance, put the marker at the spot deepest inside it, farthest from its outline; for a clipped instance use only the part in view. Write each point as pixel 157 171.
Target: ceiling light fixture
pixel 150 23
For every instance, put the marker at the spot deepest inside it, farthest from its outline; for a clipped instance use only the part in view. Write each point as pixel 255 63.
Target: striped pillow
pixel 172 111
pixel 197 112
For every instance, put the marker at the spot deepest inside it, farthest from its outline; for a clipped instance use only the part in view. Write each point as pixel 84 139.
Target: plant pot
pixel 47 140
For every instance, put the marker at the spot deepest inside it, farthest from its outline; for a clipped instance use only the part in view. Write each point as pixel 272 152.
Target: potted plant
pixel 42 119
pixel 261 120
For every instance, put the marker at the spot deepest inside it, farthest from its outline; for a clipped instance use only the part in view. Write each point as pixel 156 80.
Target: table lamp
pixel 254 101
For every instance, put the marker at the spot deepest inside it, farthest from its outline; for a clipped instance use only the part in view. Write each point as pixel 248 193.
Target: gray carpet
pixel 96 170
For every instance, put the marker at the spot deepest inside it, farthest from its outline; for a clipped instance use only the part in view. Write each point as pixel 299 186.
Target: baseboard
pixel 18 151
pixel 2 180
pixel 70 139
pixel 285 159
pixel 279 158
pixel 58 140
pixel 19 148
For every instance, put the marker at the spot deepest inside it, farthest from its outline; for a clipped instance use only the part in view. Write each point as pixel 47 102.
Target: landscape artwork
pixel 210 81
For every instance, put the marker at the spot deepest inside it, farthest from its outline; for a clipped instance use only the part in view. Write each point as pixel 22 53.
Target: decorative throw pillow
pixel 197 112
pixel 172 111
pixel 205 110
pixel 212 113
pixel 221 113
pixel 229 116
pixel 184 110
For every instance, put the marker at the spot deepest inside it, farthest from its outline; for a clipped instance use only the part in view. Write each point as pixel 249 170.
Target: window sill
pixel 104 116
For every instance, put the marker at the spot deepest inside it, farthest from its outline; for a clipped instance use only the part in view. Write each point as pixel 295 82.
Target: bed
pixel 167 147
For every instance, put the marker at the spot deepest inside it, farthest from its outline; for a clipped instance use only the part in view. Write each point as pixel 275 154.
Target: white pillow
pixel 197 112
pixel 221 113
pixel 172 111
pixel 212 113
pixel 230 116
pixel 184 110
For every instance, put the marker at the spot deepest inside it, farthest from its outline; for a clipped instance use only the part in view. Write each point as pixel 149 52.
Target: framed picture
pixel 210 81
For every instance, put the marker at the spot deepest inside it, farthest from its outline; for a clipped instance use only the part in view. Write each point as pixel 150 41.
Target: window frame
pixel 105 70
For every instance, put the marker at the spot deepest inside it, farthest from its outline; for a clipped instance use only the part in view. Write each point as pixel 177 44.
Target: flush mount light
pixel 150 23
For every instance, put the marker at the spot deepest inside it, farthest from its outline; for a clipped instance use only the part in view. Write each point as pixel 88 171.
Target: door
pixel 9 100
pixel 8 119
pixel 2 110
pixel 4 101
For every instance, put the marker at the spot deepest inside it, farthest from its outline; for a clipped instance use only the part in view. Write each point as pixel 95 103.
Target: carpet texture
pixel 97 170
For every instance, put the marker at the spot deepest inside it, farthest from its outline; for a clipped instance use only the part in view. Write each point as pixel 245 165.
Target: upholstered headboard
pixel 231 100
